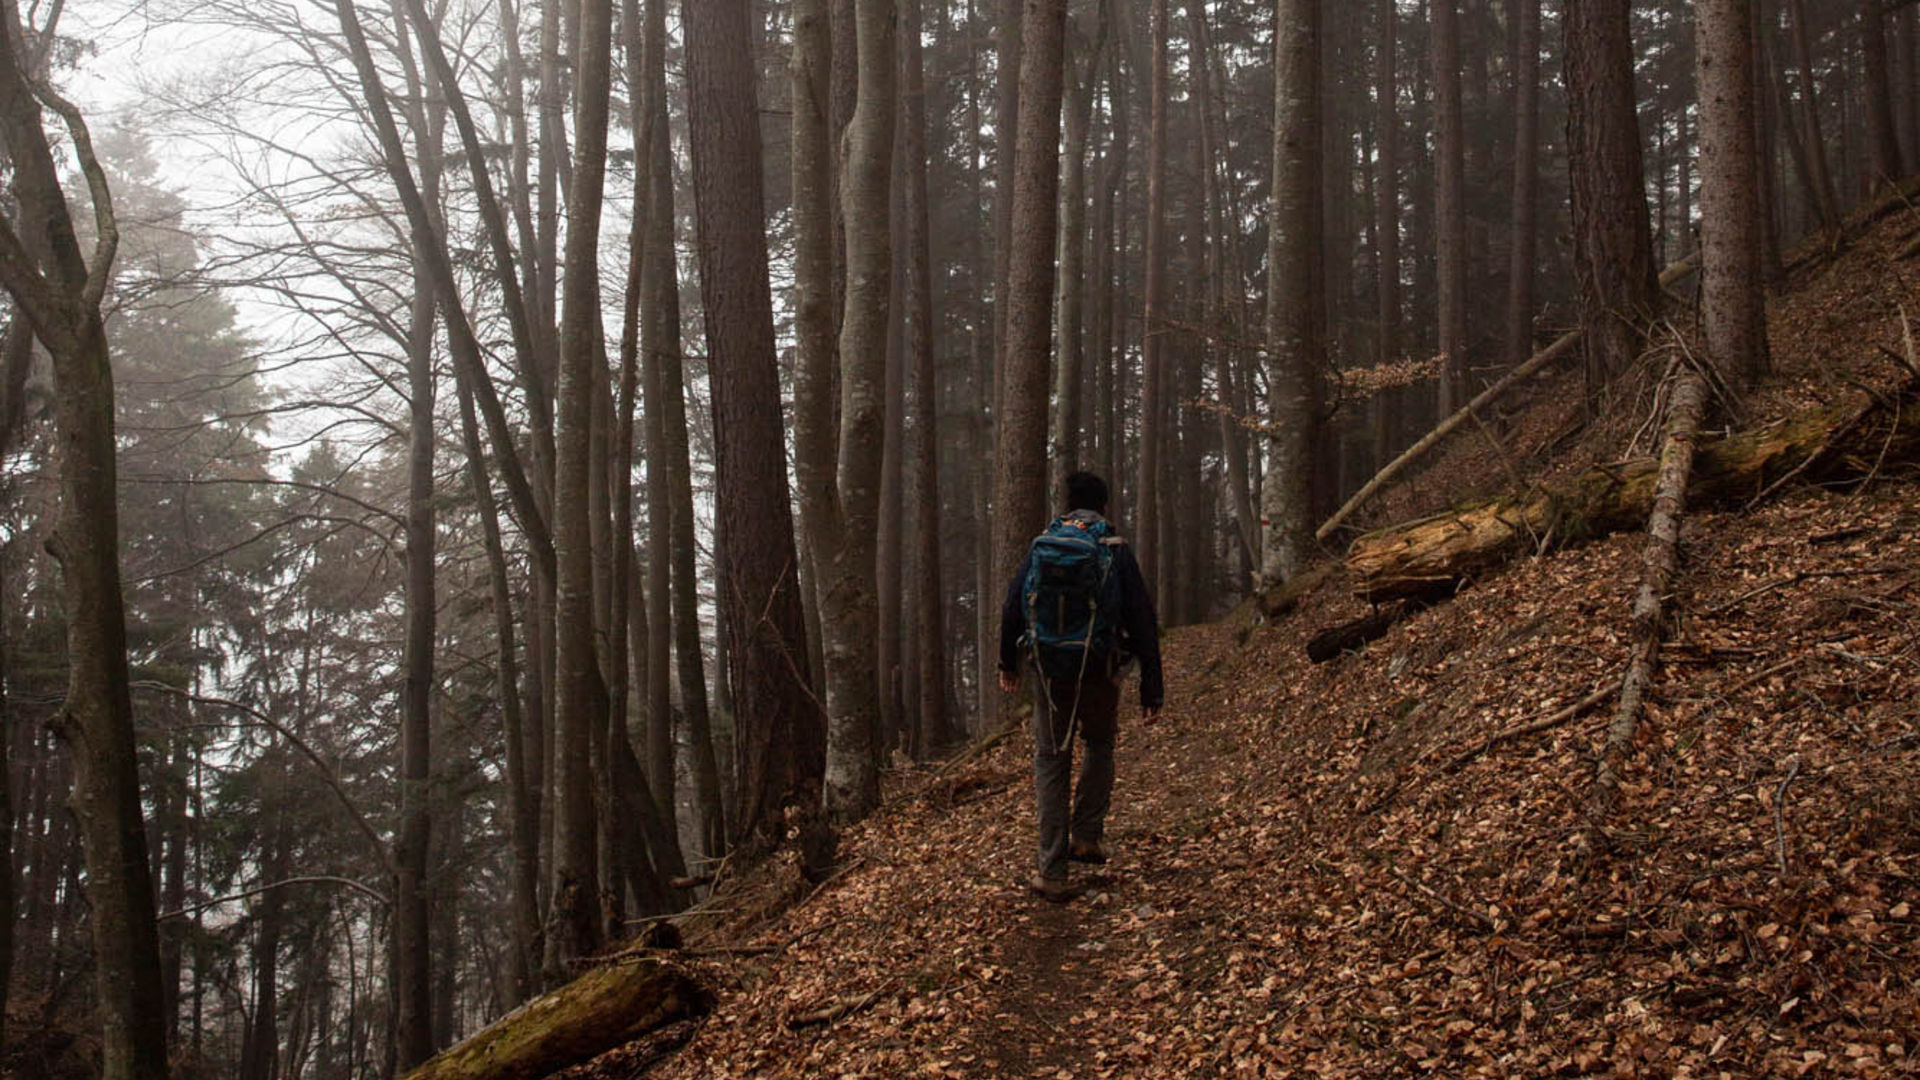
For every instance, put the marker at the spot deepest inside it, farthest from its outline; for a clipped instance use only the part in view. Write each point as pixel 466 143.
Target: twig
pixel 842 1008
pixel 1546 724
pixel 1779 814
pixel 1795 579
pixel 1436 897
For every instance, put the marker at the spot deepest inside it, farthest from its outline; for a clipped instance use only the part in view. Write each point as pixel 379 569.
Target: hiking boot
pixel 1052 890
pixel 1095 852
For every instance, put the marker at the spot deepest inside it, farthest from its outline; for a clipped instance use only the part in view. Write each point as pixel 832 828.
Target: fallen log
pixel 605 1008
pixel 1661 556
pixel 1560 347
pixel 1841 441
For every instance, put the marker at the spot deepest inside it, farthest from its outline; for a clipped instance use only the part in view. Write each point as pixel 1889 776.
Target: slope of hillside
pixel 1326 869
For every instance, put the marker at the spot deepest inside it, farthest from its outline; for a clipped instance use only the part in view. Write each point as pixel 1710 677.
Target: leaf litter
pixel 1310 879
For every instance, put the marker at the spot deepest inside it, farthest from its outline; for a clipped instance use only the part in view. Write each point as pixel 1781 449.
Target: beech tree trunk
pixel 412 945
pixel 1149 510
pixel 779 734
pixel 1386 191
pixel 581 704
pixel 52 284
pixel 1733 304
pixel 1020 488
pixel 1071 284
pixel 1450 192
pixel 1524 254
pixel 934 731
pixel 1294 303
pixel 1883 144
pixel 1826 198
pixel 1612 239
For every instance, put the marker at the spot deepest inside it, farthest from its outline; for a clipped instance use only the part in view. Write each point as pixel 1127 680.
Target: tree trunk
pixel 605 1008
pixel 1294 304
pixel 1733 305
pixel 779 740
pixel 413 1027
pixel 581 705
pixel 1071 285
pixel 1825 196
pixel 1661 556
pixel 42 267
pixel 660 343
pixel 1148 511
pixel 1386 192
pixel 1882 142
pixel 1524 252
pixel 1450 214
pixel 8 904
pixel 1020 489
pixel 524 921
pixel 929 628
pixel 1612 240
pixel 1837 443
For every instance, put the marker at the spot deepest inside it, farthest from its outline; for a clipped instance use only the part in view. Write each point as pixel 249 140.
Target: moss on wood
pixel 1838 442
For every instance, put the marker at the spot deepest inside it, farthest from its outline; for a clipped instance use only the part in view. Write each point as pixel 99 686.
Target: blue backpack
pixel 1072 597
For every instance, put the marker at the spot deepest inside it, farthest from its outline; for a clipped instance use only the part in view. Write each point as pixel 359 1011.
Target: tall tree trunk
pixel 929 628
pixel 849 603
pixel 1450 191
pixel 1008 42
pixel 1020 488
pixel 1294 303
pixel 660 343
pixel 8 906
pixel 1071 284
pixel 42 267
pixel 581 706
pixel 779 740
pixel 1825 195
pixel 1766 183
pixel 1220 269
pixel 1612 240
pixel 1524 245
pixel 524 928
pixel 1148 511
pixel 1882 143
pixel 413 1027
pixel 646 332
pixel 1386 192
pixel 1733 306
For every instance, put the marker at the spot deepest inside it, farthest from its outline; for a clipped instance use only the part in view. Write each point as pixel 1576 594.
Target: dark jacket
pixel 1139 625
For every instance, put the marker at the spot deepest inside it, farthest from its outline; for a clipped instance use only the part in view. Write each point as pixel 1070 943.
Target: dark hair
pixel 1086 491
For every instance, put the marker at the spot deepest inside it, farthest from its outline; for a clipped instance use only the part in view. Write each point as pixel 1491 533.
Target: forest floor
pixel 1315 875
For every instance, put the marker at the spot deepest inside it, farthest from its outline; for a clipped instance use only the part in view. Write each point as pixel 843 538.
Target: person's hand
pixel 1150 716
pixel 1009 682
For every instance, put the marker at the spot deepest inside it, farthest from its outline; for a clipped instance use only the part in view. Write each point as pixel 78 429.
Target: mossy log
pixel 1846 440
pixel 605 1008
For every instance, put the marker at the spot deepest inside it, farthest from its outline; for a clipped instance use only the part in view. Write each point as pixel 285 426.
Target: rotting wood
pixel 1839 442
pixel 606 1007
pixel 1560 347
pixel 1684 411
pixel 1351 637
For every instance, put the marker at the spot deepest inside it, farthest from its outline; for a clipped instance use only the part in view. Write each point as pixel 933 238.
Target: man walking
pixel 1078 610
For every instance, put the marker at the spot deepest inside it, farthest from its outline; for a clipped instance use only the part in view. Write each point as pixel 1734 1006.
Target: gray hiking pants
pixel 1067 811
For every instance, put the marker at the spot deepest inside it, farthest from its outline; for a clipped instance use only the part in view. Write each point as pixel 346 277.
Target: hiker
pixel 1078 611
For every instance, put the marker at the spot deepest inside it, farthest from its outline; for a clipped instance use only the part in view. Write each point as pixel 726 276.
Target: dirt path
pixel 1142 931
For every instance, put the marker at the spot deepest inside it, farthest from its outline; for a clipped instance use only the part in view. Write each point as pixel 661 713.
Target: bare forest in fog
pixel 479 476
